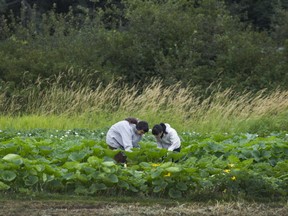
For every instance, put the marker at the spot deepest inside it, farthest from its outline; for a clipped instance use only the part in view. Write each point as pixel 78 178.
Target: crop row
pixel 79 162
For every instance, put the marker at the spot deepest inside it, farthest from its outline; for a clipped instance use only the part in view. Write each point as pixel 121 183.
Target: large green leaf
pixel 93 160
pixel 266 154
pixel 167 164
pixel 14 158
pixel 4 186
pixel 77 156
pixel 80 189
pixel 256 155
pixel 39 167
pixel 181 186
pixel 8 148
pixel 108 163
pixel 49 169
pixel 45 150
pixel 284 177
pixel 88 170
pixel 174 193
pixel 134 189
pixel 145 165
pixel 160 185
pixel 72 165
pixel 110 178
pixel 191 170
pixel 97 187
pixel 69 176
pixel 82 177
pixel 132 155
pixel 123 184
pixel 7 175
pixel 247 163
pixel 173 169
pixel 157 189
pixel 160 182
pixel 156 173
pixel 110 153
pixel 154 155
pixel 108 169
pixel 31 180
pixel 55 185
pixel 233 159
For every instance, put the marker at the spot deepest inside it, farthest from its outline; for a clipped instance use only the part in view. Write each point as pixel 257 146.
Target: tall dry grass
pixel 222 111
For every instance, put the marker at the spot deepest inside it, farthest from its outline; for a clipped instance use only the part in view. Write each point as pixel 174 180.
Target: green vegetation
pixel 210 68
pixel 198 43
pixel 233 145
pixel 224 166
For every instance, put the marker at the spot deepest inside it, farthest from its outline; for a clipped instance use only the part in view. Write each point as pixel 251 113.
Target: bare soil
pixel 81 207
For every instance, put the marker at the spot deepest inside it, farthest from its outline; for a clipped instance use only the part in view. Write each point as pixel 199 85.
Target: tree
pixel 171 40
pixel 259 13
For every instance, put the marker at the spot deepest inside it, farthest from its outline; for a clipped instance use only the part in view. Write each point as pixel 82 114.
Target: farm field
pixel 95 206
pixel 214 174
pixel 216 71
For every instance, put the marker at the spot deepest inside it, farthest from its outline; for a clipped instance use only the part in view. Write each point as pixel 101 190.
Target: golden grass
pixel 155 103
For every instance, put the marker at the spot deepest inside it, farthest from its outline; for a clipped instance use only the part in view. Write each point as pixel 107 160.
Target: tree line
pixel 239 44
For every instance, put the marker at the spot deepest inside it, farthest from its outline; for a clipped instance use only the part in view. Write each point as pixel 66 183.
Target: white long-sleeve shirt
pixel 123 135
pixel 169 141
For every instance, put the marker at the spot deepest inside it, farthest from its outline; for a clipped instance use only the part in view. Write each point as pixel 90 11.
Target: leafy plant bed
pixel 78 162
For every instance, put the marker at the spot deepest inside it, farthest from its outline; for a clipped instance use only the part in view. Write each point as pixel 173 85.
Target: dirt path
pixel 73 208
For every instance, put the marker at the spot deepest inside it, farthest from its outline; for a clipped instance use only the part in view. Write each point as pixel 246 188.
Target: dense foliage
pixel 79 162
pixel 239 44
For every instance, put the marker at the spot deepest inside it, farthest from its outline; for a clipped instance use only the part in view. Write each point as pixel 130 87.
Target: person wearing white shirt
pixel 126 134
pixel 166 137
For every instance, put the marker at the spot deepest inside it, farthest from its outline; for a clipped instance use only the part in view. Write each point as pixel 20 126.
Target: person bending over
pixel 126 134
pixel 166 137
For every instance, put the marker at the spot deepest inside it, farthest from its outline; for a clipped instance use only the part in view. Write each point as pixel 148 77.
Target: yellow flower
pixel 233 178
pixel 231 165
pixel 155 165
pixel 168 174
pixel 227 171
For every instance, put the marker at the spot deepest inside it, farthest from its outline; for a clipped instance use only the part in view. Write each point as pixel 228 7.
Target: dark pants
pixel 120 157
pixel 177 150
